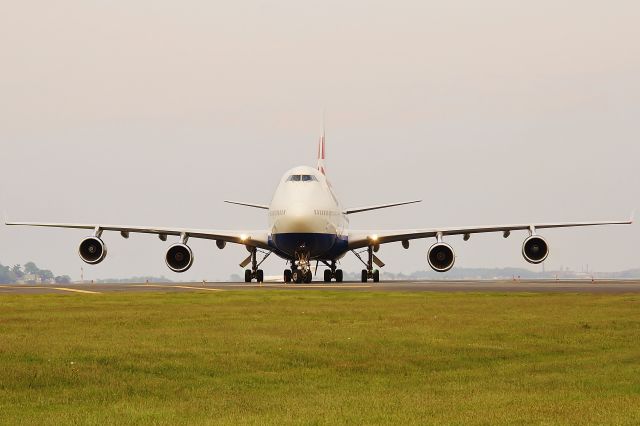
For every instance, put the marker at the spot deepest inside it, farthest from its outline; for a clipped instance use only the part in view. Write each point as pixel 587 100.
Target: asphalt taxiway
pixel 550 286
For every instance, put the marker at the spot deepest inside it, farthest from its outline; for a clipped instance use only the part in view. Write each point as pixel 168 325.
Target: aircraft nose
pixel 300 211
pixel 298 219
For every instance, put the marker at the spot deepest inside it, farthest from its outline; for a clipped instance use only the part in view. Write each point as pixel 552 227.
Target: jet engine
pixel 179 258
pixel 92 250
pixel 441 257
pixel 535 249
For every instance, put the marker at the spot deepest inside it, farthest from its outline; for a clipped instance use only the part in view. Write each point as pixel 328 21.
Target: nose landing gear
pixel 297 276
pixel 300 271
pixel 300 276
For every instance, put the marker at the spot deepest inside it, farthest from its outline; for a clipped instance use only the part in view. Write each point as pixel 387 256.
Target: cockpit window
pixel 303 178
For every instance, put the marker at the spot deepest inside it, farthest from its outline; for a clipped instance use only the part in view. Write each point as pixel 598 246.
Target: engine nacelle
pixel 179 258
pixel 92 250
pixel 441 257
pixel 221 244
pixel 535 249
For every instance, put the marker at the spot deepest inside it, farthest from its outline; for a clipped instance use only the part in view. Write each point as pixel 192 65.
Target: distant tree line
pixel 28 271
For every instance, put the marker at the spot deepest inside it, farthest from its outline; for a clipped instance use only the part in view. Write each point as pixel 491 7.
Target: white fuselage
pixel 305 214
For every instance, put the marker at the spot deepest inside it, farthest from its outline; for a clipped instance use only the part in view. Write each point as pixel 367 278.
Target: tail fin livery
pixel 321 155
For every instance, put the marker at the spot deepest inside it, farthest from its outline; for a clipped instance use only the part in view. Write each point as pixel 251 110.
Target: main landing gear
pixel 249 276
pixel 333 273
pixel 370 273
pixel 254 273
pixel 373 275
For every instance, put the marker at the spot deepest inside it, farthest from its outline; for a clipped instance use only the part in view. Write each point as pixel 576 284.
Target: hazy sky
pixel 153 112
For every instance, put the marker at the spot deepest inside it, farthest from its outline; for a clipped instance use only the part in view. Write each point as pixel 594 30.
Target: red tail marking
pixel 321 155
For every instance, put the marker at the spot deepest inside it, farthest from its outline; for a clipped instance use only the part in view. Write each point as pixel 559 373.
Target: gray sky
pixel 152 112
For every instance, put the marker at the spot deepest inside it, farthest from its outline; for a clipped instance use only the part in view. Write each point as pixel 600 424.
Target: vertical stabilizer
pixel 321 155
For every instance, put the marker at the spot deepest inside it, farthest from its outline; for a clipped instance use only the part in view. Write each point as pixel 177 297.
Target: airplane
pixel 308 224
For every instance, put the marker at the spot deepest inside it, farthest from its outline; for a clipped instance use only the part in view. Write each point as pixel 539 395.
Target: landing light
pixel 244 237
pixel 373 238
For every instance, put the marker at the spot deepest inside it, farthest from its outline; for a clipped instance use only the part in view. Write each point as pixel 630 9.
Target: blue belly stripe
pixel 321 246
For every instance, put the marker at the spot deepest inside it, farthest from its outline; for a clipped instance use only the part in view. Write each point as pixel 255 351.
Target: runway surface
pixel 551 286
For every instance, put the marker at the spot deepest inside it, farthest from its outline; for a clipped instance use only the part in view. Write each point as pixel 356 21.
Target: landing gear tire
pixel 308 277
pixel 287 275
pixel 376 276
pixel 339 275
pixel 365 276
pixel 260 276
pixel 247 276
pixel 297 277
pixel 327 275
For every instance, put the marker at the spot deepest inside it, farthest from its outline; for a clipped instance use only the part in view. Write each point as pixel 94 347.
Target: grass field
pixel 309 357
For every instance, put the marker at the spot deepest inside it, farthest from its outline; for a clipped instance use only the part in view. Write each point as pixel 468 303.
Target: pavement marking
pixel 176 286
pixel 30 287
pixel 151 286
pixel 75 290
pixel 144 285
pixel 25 286
pixel 196 288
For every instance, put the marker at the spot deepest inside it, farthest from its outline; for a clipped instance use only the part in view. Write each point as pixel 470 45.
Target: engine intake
pixel 179 258
pixel 92 250
pixel 535 249
pixel 441 257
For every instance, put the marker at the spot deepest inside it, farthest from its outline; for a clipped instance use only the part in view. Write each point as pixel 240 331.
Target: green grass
pixel 308 357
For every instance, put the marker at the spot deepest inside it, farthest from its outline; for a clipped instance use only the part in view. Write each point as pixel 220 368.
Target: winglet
pixel 632 218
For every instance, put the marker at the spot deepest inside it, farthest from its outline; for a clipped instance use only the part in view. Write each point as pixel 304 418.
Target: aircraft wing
pixel 255 206
pixel 250 238
pixel 378 207
pixel 360 239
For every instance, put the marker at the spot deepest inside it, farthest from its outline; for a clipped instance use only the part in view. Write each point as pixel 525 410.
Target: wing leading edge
pixel 253 205
pixel 378 207
pixel 360 239
pixel 250 238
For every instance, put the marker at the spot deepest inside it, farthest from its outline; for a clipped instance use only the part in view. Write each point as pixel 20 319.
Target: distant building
pixel 33 279
pixel 30 279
